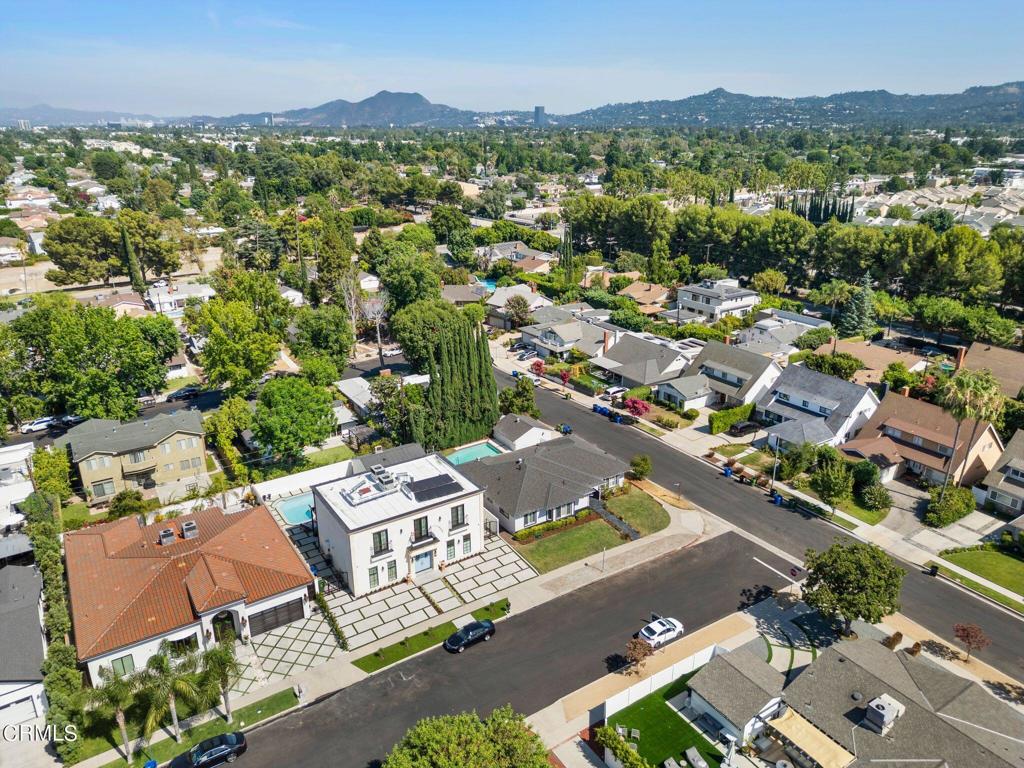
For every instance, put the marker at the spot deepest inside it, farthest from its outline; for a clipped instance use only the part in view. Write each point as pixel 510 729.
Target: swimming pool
pixel 297 510
pixel 490 285
pixel 472 453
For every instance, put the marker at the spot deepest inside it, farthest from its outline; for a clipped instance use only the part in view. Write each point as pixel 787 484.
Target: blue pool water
pixel 473 452
pixel 491 285
pixel 296 510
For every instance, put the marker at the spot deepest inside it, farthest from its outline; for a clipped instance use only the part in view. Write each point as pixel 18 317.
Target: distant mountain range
pixel 981 105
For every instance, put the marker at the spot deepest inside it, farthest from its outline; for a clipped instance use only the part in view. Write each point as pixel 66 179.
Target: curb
pixel 981 595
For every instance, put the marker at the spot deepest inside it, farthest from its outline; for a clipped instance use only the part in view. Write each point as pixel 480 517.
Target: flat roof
pixel 371 498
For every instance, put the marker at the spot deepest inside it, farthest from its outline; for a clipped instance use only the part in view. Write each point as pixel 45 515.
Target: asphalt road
pixel 932 602
pixel 534 659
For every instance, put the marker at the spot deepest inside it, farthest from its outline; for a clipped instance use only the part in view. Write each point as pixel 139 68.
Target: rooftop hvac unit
pixel 882 712
pixel 190 529
pixel 167 536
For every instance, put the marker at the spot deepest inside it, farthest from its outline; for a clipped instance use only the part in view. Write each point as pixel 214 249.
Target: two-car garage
pixel 278 616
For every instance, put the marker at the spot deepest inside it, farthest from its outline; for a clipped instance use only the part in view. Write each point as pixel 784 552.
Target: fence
pixel 645 687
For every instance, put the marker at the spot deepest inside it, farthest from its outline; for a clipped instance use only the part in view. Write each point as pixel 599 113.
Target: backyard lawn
pixel 640 510
pixel 568 545
pixel 327 456
pixel 663 733
pixel 1005 570
pixel 74 516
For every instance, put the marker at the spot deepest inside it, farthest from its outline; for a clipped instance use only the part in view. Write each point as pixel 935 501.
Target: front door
pixel 223 625
pixel 423 562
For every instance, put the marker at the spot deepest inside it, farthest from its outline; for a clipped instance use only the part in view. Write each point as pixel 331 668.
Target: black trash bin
pixel 933 571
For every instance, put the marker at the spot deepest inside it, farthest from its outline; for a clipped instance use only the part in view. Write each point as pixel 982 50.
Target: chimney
pixel 961 353
pixel 905 391
pixel 606 346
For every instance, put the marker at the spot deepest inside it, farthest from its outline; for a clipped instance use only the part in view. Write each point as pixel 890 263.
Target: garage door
pixel 18 712
pixel 272 618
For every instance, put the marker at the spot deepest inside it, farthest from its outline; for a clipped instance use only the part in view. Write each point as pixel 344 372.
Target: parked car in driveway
pixel 612 392
pixel 661 631
pixel 527 354
pixel 392 352
pixel 518 346
pixel 471 634
pixel 70 420
pixel 743 428
pixel 220 749
pixel 38 425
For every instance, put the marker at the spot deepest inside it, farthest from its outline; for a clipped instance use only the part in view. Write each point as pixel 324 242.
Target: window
pixel 945 450
pixel 184 464
pixel 374 577
pixel 103 488
pixel 458 516
pixel 467 545
pixel 1016 473
pixel 530 518
pixel 123 665
pixel 168 467
pixel 165 447
pixel 380 542
pixel 917 440
pixel 451 549
pixel 105 461
pixel 420 528
pixel 181 444
pixel 185 645
pixel 196 462
pixel 392 570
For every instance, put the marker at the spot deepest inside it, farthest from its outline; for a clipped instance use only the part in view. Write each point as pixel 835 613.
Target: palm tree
pixel 832 293
pixel 988 404
pixel 112 698
pixel 221 670
pixel 968 395
pixel 167 679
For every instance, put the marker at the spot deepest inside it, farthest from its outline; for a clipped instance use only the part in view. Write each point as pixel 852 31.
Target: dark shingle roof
pixel 738 684
pixel 542 476
pixel 115 437
pixel 512 426
pixel 726 356
pixel 840 395
pixel 21 637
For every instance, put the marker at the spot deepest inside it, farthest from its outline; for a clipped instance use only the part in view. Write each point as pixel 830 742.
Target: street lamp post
pixel 775 468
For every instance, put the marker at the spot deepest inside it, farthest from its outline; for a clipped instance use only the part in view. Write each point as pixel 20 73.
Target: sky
pixel 181 57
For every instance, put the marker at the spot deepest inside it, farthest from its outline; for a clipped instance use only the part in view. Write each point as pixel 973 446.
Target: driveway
pixel 908 506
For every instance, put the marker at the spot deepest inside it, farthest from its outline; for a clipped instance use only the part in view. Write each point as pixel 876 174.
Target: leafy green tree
pixel 165 680
pixel 855 580
pixel 833 483
pixel 503 740
pixel 51 472
pixel 519 398
pixel 127 503
pixel 319 370
pixel 23 408
pixel 161 334
pixel 858 316
pixel 937 313
pixel 769 282
pixel 408 278
pixel 969 394
pixel 326 330
pixel 157 252
pixel 889 308
pixel 291 414
pixel 84 249
pixel 966 265
pixel 445 220
pixel 517 311
pixel 939 219
pixel 832 294
pixel 640 466
pixel 132 263
pixel 419 327
pixel 842 365
pixel 237 351
pixel 629 318
pixel 814 338
pixel 259 291
pixel 898 376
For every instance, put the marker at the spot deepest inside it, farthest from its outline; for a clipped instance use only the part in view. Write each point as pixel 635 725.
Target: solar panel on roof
pixel 437 492
pixel 429 482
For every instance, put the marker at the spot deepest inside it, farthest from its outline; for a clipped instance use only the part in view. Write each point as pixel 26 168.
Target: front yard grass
pixel 998 567
pixel 853 509
pixel 999 597
pixel 663 733
pixel 173 385
pixel 760 460
pixel 405 648
pixel 731 449
pixel 568 545
pixel 649 429
pixel 492 611
pixel 165 750
pixel 640 510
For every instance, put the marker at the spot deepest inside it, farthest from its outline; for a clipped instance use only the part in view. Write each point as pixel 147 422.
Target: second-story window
pixel 420 528
pixel 458 516
pixel 137 457
pixel 380 542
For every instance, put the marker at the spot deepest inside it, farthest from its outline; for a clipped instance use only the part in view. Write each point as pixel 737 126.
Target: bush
pixel 957 504
pixel 610 740
pixel 640 466
pixel 667 422
pixel 865 475
pixel 721 420
pixel 875 497
pixel 640 393
pixel 537 530
pixel 125 503
pixel 691 414
pixel 329 617
pixel 586 386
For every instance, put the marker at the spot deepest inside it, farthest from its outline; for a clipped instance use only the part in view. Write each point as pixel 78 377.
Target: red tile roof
pixel 126 587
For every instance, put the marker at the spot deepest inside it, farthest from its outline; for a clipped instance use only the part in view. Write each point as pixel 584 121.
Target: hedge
pixel 610 740
pixel 329 617
pixel 958 503
pixel 554 525
pixel 719 421
pixel 583 386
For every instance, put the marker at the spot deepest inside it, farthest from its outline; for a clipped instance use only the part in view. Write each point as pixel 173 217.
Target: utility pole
pixel 707 252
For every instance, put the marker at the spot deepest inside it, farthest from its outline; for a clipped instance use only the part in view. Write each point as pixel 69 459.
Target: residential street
pixel 932 602
pixel 534 659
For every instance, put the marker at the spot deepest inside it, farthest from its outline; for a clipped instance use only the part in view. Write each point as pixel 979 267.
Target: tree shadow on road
pixel 614 662
pixel 1007 691
pixel 753 595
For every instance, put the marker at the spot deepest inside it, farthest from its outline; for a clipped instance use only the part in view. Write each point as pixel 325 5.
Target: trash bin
pixel 778 499
pixel 727 471
pixel 933 571
pixel 149 764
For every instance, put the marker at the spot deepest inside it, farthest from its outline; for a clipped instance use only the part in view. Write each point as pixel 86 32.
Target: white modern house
pixel 405 521
pixel 715 299
pixel 171 299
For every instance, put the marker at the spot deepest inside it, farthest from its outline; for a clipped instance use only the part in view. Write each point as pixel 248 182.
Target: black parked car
pixel 469 635
pixel 220 749
pixel 744 428
pixel 185 393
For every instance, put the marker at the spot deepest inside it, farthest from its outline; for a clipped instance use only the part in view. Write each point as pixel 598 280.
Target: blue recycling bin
pixel 778 499
pixel 596 408
pixel 149 764
pixel 727 471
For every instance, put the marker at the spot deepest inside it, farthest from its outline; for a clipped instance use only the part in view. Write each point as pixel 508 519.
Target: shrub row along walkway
pixel 598 506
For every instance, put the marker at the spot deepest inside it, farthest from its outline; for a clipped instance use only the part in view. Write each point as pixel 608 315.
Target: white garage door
pixel 18 712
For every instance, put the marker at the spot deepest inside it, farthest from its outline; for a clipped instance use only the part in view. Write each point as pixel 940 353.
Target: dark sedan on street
pixel 220 749
pixel 469 635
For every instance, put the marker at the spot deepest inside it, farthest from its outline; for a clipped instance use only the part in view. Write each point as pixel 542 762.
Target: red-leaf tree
pixel 564 376
pixel 637 407
pixel 538 367
pixel 972 636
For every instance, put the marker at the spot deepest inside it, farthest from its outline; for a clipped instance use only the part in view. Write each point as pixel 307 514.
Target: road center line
pixel 775 570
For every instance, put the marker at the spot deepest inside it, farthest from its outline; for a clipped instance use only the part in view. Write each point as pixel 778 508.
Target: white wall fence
pixel 645 687
pixel 290 485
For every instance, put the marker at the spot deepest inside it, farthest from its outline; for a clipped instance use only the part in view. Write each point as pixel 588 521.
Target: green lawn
pixel 663 733
pixel 211 465
pixel 173 385
pixel 74 516
pixel 404 648
pixel 569 545
pixel 649 429
pixel 999 597
pixel 852 508
pixel 731 449
pixel 1002 569
pixel 492 611
pixel 328 456
pixel 167 749
pixel 640 510
pixel 760 460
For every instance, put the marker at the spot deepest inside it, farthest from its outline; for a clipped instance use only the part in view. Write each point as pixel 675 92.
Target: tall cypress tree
pixel 132 262
pixel 858 317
